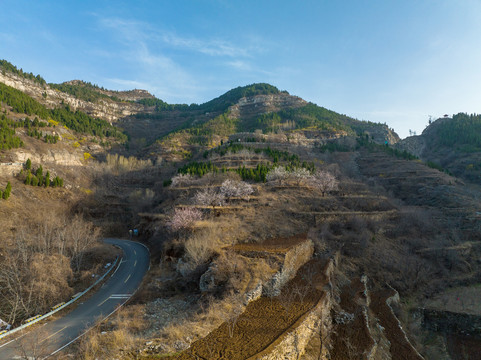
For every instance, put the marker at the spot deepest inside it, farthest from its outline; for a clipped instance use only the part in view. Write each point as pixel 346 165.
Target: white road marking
pixel 135 263
pixel 128 277
pixel 116 296
pixel 48 337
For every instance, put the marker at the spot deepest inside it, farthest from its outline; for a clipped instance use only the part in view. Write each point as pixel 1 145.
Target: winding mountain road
pixel 48 339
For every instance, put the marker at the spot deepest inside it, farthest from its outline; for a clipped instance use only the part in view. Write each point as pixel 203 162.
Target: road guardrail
pixel 58 307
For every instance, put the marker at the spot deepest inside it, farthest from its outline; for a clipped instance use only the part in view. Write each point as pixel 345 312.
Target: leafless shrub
pixel 120 163
pixel 33 347
pixel 37 269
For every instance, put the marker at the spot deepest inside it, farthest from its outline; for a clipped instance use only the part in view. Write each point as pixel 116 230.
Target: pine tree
pixel 39 171
pixel 34 181
pixel 28 179
pixel 28 164
pixel 8 190
pixel 47 179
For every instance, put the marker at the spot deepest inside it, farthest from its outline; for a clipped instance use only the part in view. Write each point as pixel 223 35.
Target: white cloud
pixel 157 59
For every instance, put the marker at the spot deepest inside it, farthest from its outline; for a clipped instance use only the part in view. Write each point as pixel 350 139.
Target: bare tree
pixel 33 346
pixel 82 236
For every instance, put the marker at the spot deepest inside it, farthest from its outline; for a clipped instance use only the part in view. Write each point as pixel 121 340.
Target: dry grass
pixel 115 339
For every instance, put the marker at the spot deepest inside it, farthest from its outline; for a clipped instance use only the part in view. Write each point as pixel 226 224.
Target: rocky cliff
pixel 106 109
pixel 248 107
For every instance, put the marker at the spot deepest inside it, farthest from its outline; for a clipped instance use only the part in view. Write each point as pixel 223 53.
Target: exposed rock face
pixel 294 259
pixel 57 157
pixel 105 108
pixel 381 134
pixel 413 144
pixel 261 104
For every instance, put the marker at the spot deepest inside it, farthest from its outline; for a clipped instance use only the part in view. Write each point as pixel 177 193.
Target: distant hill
pixel 453 144
pixel 260 108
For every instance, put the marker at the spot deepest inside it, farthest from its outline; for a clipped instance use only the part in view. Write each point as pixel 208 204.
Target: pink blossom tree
pixel 184 218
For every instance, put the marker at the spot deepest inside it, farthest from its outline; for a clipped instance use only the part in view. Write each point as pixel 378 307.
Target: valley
pixel 276 228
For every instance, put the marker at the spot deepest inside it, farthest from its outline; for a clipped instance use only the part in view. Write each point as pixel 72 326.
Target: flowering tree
pixel 182 179
pixel 279 174
pixel 232 188
pixel 184 218
pixel 299 175
pixel 210 197
pixel 324 181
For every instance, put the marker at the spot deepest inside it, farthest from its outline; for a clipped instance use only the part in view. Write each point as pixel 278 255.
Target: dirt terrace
pixel 400 349
pixel 352 338
pixel 264 320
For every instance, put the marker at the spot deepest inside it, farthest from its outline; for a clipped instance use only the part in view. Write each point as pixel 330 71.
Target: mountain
pixel 453 144
pixel 275 226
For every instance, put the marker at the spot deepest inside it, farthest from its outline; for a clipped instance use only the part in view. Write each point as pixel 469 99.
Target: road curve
pixel 46 340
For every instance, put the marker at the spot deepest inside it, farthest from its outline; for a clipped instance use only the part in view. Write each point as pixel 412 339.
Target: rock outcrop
pixel 251 106
pixel 105 109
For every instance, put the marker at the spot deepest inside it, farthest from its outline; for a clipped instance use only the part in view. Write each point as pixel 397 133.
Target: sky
pixel 388 61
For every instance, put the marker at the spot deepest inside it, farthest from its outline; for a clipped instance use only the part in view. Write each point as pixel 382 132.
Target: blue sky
pixel 386 61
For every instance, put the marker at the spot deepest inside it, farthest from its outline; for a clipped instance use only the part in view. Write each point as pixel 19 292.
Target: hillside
pixel 277 228
pixel 453 144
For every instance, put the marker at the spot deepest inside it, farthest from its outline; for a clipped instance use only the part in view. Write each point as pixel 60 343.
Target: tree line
pixel 84 91
pixel 462 131
pixel 8 139
pixel 74 120
pixel 7 66
pixel 5 194
pixel 37 177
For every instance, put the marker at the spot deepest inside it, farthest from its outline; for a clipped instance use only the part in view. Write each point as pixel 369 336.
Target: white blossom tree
pixel 210 197
pixel 279 174
pixel 299 175
pixel 324 181
pixel 182 179
pixel 232 188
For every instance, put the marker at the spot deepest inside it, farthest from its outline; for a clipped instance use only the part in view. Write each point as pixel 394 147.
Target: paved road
pixel 48 339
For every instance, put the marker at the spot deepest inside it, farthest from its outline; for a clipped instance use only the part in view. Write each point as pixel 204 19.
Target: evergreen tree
pixel 39 171
pixel 47 179
pixel 28 164
pixel 34 181
pixel 8 190
pixel 28 179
